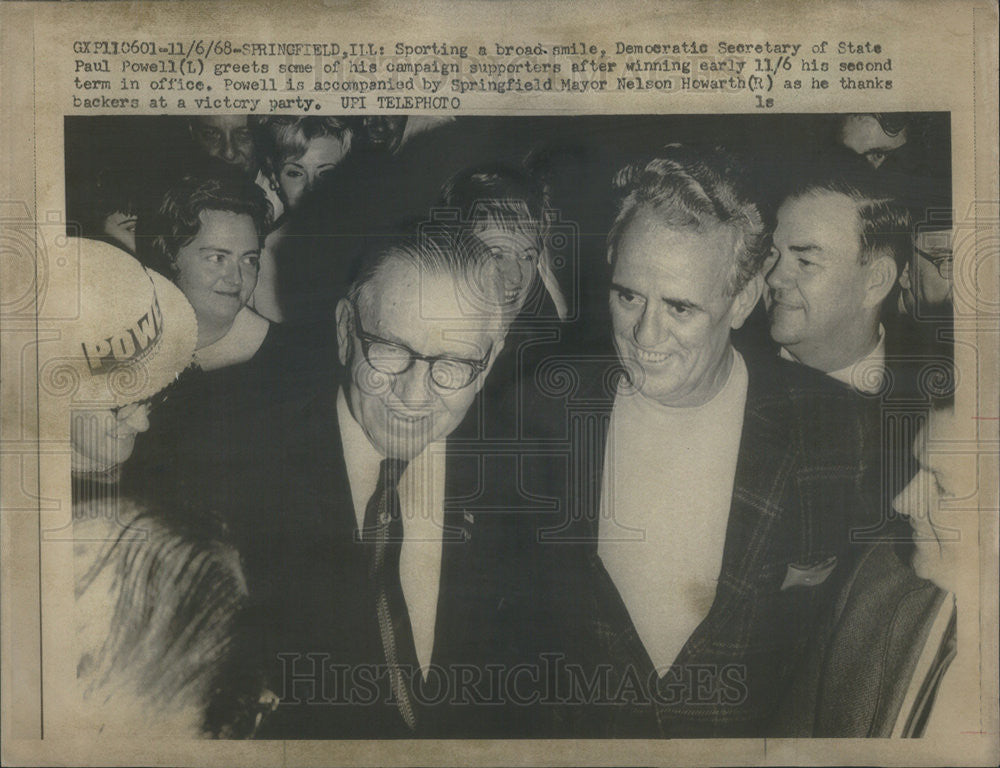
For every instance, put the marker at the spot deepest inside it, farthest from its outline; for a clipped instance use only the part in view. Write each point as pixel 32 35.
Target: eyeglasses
pixel 393 359
pixel 943 261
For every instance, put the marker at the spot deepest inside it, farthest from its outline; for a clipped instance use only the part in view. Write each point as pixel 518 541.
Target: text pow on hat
pixel 130 345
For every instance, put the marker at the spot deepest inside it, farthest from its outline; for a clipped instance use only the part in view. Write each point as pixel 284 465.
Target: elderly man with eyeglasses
pixel 395 575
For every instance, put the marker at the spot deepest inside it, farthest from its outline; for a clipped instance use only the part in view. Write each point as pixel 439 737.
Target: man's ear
pixel 880 279
pixel 345 318
pixel 494 354
pixel 746 300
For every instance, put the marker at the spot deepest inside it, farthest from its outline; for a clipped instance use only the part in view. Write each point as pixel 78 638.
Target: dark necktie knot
pixel 382 514
pixel 390 471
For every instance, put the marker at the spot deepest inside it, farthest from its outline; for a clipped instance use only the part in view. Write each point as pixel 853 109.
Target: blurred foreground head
pixel 160 606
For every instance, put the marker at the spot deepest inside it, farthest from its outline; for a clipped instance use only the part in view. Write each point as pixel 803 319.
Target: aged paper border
pixel 946 55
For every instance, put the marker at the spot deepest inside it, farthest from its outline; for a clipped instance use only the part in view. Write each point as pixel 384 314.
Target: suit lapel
pixel 757 519
pixel 332 486
pixel 456 561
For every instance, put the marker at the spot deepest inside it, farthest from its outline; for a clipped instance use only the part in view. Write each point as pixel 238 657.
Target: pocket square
pixel 799 575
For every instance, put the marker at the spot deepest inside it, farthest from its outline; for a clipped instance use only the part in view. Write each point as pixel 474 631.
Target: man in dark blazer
pixel 842 236
pixel 392 571
pixel 707 499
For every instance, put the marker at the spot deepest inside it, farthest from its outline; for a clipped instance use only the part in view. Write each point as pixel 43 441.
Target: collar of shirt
pixel 360 457
pixel 240 343
pixel 864 375
pixel 421 499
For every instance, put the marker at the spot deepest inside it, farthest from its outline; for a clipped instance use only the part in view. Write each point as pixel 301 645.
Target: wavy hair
pixel 694 189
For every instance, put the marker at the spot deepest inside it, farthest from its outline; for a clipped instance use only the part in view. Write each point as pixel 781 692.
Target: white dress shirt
pixel 421 498
pixel 865 375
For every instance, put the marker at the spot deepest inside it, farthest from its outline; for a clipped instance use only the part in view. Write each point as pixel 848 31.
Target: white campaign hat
pixel 135 332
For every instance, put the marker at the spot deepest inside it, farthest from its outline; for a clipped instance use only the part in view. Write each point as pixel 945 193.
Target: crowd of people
pixel 513 427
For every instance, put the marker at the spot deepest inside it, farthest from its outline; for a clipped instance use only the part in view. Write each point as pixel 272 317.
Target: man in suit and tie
pixel 392 578
pixel 711 494
pixel 842 236
pixel 840 242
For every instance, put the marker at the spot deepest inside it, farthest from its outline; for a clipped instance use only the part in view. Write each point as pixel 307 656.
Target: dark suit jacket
pixel 918 368
pixel 800 486
pixel 317 622
pixel 857 673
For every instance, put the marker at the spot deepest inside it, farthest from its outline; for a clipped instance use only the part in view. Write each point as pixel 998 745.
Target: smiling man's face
pixel 671 311
pixel 817 281
pixel 403 413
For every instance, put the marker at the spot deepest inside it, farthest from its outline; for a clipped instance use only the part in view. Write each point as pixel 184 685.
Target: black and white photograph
pixel 411 426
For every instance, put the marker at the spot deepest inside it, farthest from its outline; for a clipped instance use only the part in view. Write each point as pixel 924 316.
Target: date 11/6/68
pixel 153 48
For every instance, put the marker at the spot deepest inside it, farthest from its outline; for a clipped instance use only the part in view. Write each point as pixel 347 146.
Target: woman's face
pixel 120 227
pixel 299 176
pixel 516 254
pixel 217 270
pixel 103 439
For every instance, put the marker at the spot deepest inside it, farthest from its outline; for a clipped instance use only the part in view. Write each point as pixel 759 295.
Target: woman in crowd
pixel 202 447
pixel 299 152
pixel 206 236
pixel 503 210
